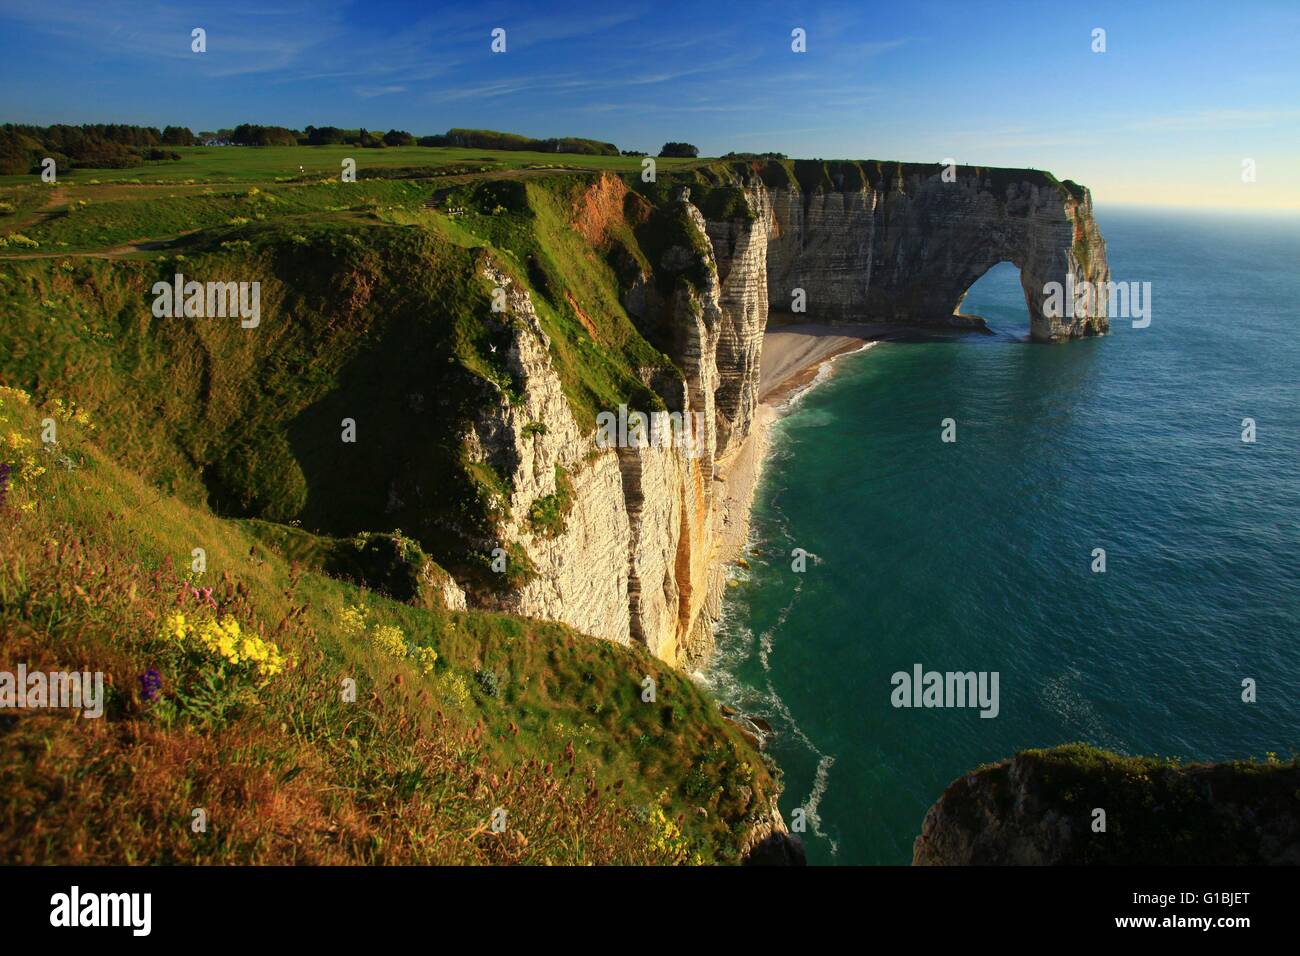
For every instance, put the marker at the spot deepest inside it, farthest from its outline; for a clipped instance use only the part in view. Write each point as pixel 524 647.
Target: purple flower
pixel 150 684
pixel 4 481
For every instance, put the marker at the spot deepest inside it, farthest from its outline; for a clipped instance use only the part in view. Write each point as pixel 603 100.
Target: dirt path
pixel 57 197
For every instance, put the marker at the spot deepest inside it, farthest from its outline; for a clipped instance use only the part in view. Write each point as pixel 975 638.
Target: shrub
pixel 682 150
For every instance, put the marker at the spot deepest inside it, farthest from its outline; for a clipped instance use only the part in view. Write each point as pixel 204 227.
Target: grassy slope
pixel 370 304
pixel 409 773
pixel 369 301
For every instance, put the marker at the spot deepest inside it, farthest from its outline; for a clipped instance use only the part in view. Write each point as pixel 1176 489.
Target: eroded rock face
pixel 581 573
pixel 1041 808
pixel 740 250
pixel 635 560
pixel 907 253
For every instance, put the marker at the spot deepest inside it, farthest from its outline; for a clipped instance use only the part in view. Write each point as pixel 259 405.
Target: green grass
pixel 409 773
pixel 225 438
pixel 530 223
pixel 549 514
pixel 371 305
pixel 241 164
pixel 110 217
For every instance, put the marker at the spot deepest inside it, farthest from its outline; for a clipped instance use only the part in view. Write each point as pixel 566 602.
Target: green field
pixel 243 164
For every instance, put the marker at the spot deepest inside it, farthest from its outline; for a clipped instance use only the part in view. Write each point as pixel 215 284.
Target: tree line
pixel 118 145
pixel 93 145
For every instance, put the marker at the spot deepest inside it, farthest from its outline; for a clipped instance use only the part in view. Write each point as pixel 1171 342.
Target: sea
pixel 981 554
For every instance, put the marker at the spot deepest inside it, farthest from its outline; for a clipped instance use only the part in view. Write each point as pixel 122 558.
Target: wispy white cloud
pixel 241 38
pixel 368 92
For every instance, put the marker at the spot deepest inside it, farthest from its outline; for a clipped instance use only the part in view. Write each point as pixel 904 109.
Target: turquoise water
pixel 977 555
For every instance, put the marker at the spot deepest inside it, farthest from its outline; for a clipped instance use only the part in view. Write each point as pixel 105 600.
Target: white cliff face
pixel 581 573
pixel 740 250
pixel 637 557
pixel 652 485
pixel 822 244
pixel 906 254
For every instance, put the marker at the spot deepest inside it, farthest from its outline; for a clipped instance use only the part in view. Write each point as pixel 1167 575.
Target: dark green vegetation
pixel 516 714
pixel 97 146
pixel 374 307
pixel 23 147
pixel 1157 810
pixel 684 150
pixel 491 139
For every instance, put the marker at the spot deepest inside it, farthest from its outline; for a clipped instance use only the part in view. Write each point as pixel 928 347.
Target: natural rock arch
pixel 905 250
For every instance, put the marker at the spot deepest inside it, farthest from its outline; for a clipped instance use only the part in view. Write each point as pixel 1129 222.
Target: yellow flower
pixel 175 626
pixel 424 658
pixel 353 620
pixel 389 639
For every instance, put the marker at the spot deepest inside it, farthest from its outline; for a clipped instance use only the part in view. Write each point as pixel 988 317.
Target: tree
pixel 324 136
pixel 250 134
pixel 398 137
pixel 681 150
pixel 177 136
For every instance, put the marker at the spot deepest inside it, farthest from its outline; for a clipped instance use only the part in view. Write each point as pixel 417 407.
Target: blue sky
pixel 1183 94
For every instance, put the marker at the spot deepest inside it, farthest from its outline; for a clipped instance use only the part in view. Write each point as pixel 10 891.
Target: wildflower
pixel 176 627
pixel 353 620
pixel 424 658
pixel 150 684
pixel 389 639
pixel 4 481
pixel 202 595
pixel 226 640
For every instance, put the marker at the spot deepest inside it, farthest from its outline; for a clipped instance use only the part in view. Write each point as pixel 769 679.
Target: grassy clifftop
pixel 713 182
pixel 213 436
pixel 1077 804
pixel 504 713
pixel 373 306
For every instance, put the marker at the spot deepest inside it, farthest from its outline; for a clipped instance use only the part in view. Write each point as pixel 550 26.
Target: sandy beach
pixel 792 354
pixel 792 357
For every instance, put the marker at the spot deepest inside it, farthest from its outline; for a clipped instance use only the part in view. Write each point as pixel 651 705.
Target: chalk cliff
pixel 635 557
pixel 902 243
